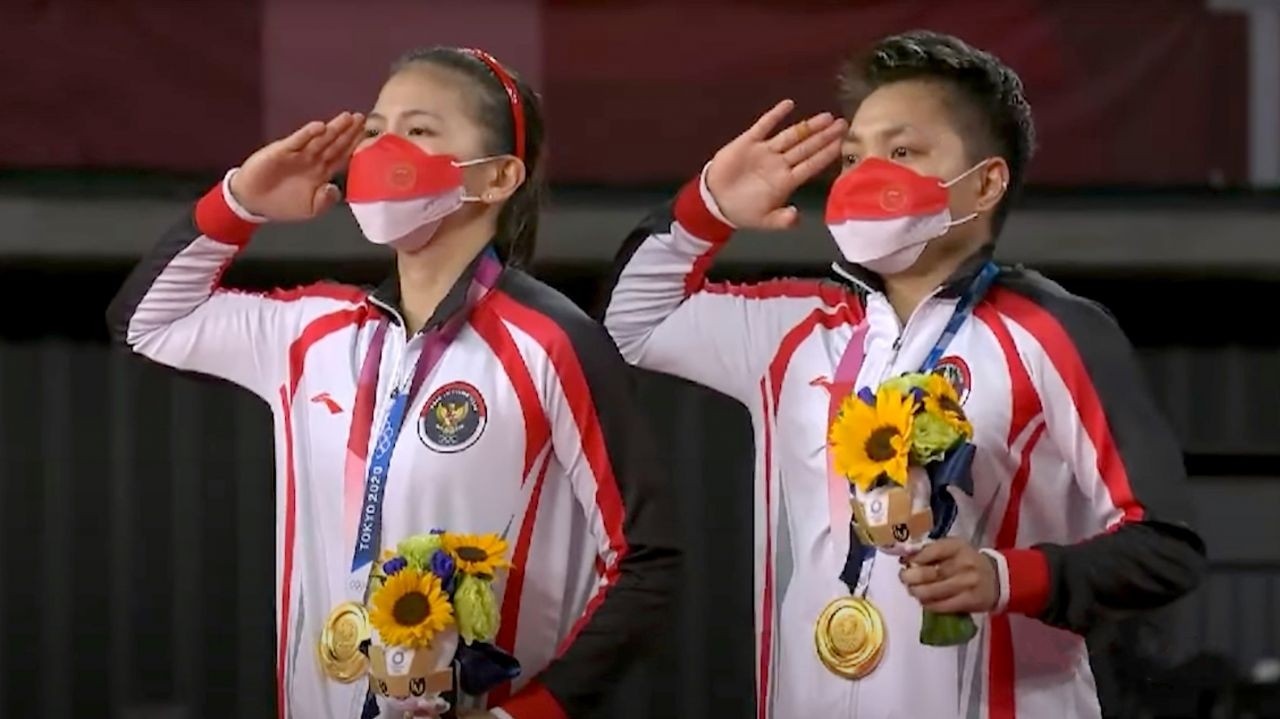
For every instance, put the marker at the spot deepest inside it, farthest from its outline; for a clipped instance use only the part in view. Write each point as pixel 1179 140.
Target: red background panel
pixel 1144 92
pixel 1139 92
pixel 129 83
pixel 324 56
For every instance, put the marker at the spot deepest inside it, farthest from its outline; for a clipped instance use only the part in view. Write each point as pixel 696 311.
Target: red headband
pixel 513 95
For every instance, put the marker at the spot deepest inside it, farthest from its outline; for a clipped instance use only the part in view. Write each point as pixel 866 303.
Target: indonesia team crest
pixel 453 418
pixel 956 371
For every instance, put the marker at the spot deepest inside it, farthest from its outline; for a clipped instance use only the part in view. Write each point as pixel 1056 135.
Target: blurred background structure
pixel 135 504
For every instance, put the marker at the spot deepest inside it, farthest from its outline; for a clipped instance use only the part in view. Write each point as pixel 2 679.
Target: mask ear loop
pixel 963 175
pixel 471 163
pixel 957 178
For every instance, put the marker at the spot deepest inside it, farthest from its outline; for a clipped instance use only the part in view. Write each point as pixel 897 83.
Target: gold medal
pixel 345 629
pixel 850 637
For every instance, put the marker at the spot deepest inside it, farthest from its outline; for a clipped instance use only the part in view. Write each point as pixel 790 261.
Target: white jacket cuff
pixel 1002 578
pixel 710 201
pixel 233 203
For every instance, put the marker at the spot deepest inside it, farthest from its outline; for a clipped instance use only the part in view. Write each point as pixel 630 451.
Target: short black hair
pixel 995 119
pixel 517 234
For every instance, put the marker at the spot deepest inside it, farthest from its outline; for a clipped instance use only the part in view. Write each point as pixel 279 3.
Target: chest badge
pixel 453 418
pixel 956 371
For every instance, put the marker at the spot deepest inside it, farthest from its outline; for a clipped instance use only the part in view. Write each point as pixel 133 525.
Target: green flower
pixel 418 550
pixel 931 437
pixel 476 610
pixel 907 382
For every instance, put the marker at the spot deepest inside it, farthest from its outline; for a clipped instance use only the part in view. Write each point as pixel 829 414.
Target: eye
pixel 370 132
pixel 899 153
pixel 849 160
pixel 420 132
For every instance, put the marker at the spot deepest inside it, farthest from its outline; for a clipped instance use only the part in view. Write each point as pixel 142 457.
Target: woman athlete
pixel 460 394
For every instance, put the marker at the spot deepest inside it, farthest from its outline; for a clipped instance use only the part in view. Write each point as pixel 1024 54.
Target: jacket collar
pixel 865 281
pixel 386 296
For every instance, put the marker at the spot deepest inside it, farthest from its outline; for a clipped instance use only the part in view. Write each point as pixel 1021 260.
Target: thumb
pixel 781 218
pixel 327 195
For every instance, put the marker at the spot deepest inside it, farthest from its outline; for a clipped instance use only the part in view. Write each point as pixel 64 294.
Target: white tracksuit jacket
pixel 552 454
pixel 1077 476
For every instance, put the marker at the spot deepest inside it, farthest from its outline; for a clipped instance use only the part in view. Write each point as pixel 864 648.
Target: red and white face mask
pixel 399 193
pixel 882 214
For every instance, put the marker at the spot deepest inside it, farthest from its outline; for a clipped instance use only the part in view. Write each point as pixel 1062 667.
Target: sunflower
pixel 868 441
pixel 941 400
pixel 478 555
pixel 409 609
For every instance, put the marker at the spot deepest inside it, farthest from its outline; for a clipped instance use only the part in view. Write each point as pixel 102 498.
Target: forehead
pixel 423 86
pixel 919 104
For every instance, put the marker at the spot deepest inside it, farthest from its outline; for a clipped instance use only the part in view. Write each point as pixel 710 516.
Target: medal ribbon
pixel 856 573
pixel 366 485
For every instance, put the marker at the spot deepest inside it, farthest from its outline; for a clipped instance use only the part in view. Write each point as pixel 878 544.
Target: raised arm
pixel 172 308
pixel 662 312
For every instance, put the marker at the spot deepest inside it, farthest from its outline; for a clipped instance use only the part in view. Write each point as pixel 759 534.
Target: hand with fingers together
pixel 289 179
pixel 752 177
pixel 950 576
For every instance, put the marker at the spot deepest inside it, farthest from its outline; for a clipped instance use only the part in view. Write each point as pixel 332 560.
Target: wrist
pixel 219 217
pixel 1001 569
pixel 1027 580
pixel 234 203
pixel 709 199
pixel 694 214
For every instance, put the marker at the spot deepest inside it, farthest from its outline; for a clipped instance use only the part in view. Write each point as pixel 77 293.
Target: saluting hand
pixel 949 576
pixel 289 179
pixel 751 177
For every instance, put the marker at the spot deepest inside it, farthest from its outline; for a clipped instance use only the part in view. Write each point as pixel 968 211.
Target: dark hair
pixel 517 234
pixel 995 117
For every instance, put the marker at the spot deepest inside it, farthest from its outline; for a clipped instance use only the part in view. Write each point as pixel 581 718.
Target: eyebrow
pixel 887 133
pixel 406 113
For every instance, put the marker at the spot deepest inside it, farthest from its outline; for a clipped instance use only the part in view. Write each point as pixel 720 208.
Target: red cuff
pixel 1028 580
pixel 533 702
pixel 693 215
pixel 216 220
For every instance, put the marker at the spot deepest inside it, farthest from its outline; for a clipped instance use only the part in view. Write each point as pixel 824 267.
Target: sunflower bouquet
pixel 433 615
pixel 901 448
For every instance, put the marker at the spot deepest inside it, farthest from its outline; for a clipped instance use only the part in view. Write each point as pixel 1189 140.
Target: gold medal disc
pixel 345 629
pixel 850 637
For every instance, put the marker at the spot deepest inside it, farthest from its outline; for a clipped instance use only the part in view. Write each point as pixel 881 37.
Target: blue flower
pixel 866 395
pixel 442 566
pixel 918 394
pixel 437 530
pixel 394 565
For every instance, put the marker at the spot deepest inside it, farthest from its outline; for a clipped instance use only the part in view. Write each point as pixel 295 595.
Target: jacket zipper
pixel 397 375
pixel 896 347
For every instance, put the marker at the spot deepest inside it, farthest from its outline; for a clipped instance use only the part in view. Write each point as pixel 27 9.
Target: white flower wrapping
pixel 895 520
pixel 413 680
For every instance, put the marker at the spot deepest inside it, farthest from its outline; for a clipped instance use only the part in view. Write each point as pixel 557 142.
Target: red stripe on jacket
pixel 551 337
pixel 1062 352
pixel 315 331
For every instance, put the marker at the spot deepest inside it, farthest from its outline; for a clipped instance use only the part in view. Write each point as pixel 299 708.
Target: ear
pixel 499 179
pixel 993 182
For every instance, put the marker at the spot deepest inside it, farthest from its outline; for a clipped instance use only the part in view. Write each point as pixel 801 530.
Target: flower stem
pixel 946 630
